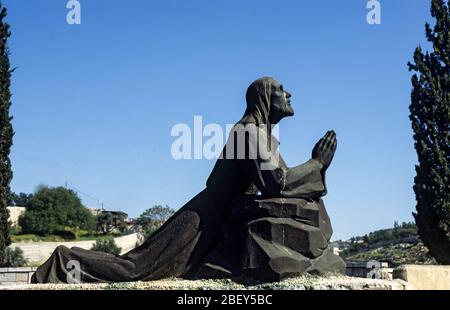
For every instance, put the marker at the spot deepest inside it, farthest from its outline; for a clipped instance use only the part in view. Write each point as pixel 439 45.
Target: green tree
pixel 430 115
pixel 20 199
pixel 6 135
pixel 55 210
pixel 153 218
pixel 106 245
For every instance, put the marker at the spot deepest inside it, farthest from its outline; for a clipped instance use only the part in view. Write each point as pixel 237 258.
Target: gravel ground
pixel 307 282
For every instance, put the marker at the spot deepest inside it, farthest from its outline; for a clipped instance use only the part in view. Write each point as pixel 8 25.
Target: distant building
pixel 14 214
pixel 112 221
pixel 117 216
pixel 336 250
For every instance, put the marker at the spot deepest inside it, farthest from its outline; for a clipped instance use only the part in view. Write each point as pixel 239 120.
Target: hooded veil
pixel 255 132
pixel 258 102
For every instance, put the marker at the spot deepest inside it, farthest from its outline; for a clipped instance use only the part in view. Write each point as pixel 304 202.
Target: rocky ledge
pixel 305 282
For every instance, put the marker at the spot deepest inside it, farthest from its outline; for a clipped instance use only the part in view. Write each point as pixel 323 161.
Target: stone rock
pixel 270 261
pixel 307 211
pixel 304 239
pixel 328 262
pixel 271 240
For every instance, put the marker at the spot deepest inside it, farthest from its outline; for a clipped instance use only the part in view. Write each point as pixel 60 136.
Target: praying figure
pixel 256 217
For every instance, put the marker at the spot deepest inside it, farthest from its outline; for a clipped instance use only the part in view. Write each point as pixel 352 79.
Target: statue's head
pixel 267 101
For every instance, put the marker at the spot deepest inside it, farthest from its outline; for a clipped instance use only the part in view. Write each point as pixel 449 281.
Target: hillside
pixel 397 246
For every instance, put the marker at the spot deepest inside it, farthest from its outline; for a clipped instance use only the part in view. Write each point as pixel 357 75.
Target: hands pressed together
pixel 324 149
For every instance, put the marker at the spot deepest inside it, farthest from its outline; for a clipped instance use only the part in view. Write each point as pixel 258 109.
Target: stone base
pixel 306 282
pixel 272 240
pixel 425 277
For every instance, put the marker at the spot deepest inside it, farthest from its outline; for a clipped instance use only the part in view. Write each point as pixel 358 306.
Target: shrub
pixel 106 245
pixel 66 234
pixel 15 257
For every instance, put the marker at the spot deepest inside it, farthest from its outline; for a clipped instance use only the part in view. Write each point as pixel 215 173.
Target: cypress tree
pixel 430 115
pixel 6 134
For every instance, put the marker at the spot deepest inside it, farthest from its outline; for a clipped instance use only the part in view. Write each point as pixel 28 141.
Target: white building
pixel 14 213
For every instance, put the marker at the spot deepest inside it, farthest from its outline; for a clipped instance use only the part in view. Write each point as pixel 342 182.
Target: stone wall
pixel 16 276
pixel 425 277
pixel 39 252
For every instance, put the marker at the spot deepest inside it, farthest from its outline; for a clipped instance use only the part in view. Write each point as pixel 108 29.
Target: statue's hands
pixel 324 149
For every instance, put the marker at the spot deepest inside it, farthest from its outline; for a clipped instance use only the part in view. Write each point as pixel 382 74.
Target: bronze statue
pixel 256 217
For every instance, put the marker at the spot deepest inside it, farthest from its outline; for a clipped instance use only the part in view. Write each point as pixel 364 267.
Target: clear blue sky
pixel 94 104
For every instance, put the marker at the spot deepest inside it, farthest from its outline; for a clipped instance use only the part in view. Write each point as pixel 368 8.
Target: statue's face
pixel 280 105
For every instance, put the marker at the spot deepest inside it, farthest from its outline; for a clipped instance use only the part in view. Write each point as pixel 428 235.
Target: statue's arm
pixel 306 180
pixel 272 178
